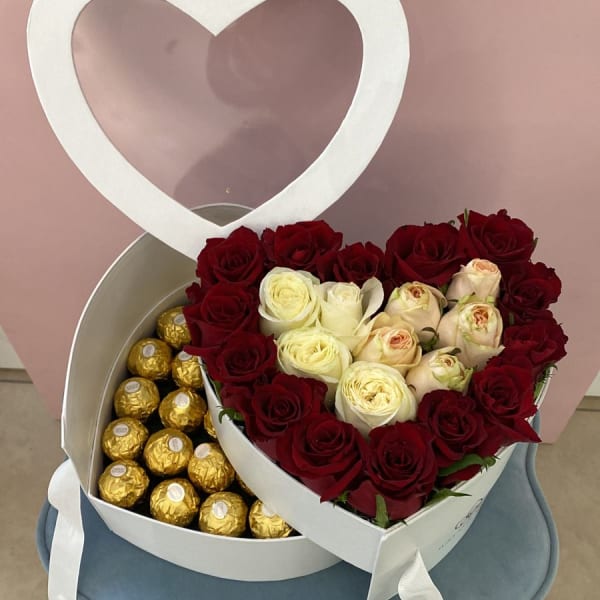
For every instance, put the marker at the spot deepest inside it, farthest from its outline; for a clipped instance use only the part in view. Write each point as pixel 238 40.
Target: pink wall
pixel 500 110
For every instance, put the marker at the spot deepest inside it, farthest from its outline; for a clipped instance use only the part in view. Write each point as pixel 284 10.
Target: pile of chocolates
pixel 162 454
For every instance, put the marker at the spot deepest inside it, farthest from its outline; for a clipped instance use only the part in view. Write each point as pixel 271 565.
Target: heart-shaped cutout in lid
pixel 383 73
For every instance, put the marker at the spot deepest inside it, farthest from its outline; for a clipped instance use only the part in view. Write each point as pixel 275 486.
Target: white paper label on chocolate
pixel 182 400
pixel 267 512
pixel 121 429
pixel 175 444
pixel 220 509
pixel 179 319
pixel 149 350
pixel 118 470
pixel 132 386
pixel 175 492
pixel 183 356
pixel 202 451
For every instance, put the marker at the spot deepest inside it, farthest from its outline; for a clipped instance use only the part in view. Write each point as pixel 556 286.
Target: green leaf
pixel 342 498
pixel 511 319
pixel 442 494
pixel 468 461
pixel 452 222
pixel 454 351
pixel 381 516
pixel 535 242
pixel 466 215
pixel 233 414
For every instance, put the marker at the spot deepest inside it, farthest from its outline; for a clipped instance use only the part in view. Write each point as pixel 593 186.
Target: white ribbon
pixel 67 543
pixel 415 582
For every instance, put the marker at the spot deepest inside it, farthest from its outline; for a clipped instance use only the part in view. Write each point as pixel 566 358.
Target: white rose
pixel 392 342
pixel 438 370
pixel 479 277
pixel 313 352
pixel 288 300
pixel 346 308
pixel 418 304
pixel 370 394
pixel 475 327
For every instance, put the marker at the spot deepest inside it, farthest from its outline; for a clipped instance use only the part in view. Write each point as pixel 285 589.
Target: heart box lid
pixel 383 72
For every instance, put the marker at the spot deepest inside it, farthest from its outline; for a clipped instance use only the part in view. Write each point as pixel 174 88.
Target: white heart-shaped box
pixel 385 63
pixel 149 277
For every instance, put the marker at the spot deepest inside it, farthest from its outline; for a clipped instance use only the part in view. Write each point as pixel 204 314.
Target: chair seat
pixel 510 552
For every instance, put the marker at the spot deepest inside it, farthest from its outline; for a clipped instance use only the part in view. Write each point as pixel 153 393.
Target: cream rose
pixel 479 277
pixel 418 304
pixel 371 394
pixel 438 370
pixel 288 300
pixel 346 308
pixel 475 327
pixel 392 342
pixel 313 352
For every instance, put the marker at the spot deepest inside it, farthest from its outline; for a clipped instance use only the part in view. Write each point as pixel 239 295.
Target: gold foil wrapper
pixel 264 523
pixel 186 370
pixel 182 409
pixel 223 513
pixel 167 452
pixel 208 425
pixel 243 485
pixel 124 439
pixel 150 358
pixel 174 501
pixel 136 397
pixel 172 328
pixel 123 483
pixel 209 469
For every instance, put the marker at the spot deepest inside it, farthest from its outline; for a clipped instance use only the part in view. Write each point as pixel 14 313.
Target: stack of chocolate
pixel 162 439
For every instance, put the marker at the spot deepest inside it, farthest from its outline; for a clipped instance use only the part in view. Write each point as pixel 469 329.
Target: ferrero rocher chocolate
pixel 264 523
pixel 209 468
pixel 124 439
pixel 150 358
pixel 174 501
pixel 208 426
pixel 182 409
pixel 223 513
pixel 186 371
pixel 172 328
pixel 167 452
pixel 243 485
pixel 136 397
pixel 123 483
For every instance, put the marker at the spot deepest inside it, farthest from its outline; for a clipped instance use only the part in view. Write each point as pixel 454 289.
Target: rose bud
pixel 346 308
pixel 418 304
pixel 438 370
pixel 391 342
pixel 288 300
pixel 479 277
pixel 475 327
pixel 312 352
pixel 371 394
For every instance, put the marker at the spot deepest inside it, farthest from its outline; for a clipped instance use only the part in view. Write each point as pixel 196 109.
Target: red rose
pixel 529 289
pixel 457 427
pixel 542 341
pixel 224 309
pixel 429 253
pixel 244 358
pixel 276 406
pixel 308 246
pixel 358 262
pixel 238 258
pixel 326 454
pixel 401 467
pixel 498 238
pixel 504 395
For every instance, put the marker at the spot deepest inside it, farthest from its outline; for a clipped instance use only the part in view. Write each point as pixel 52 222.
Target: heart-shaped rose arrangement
pixel 378 378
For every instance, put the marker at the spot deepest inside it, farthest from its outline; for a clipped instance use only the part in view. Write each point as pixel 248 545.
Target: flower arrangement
pixel 379 378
